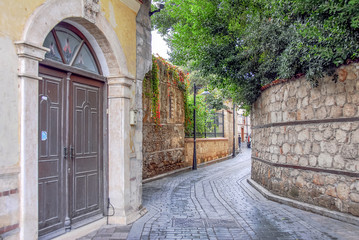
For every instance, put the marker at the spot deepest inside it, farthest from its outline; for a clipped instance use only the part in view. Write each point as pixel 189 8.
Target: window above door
pixel 70 47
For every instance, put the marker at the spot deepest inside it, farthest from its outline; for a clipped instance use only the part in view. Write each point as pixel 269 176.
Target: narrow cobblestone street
pixel 216 202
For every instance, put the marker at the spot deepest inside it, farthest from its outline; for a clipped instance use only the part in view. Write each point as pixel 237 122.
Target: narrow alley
pixel 216 202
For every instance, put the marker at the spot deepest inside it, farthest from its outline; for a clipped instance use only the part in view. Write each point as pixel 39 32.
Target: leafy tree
pixel 249 43
pixel 204 115
pixel 217 97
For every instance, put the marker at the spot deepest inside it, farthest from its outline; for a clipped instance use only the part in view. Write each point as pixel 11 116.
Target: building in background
pixel 244 125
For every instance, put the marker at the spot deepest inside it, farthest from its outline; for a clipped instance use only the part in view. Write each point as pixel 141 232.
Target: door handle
pixel 72 153
pixel 65 153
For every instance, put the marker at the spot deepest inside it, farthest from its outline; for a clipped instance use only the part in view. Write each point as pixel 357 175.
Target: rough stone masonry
pixel 306 140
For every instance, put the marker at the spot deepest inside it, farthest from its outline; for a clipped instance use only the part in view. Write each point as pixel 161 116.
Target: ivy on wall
pixel 163 71
pixel 173 77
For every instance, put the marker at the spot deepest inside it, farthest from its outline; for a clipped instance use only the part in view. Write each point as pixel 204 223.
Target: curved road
pixel 216 202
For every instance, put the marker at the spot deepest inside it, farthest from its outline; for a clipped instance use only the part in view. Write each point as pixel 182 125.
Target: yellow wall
pixel 14 14
pixel 123 21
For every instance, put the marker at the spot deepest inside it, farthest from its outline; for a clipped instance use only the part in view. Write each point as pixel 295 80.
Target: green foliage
pixel 154 81
pixel 204 115
pixel 215 100
pixel 175 77
pixel 247 44
pixel 217 97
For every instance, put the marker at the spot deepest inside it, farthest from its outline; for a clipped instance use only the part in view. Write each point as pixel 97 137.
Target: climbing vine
pixel 174 77
pixel 153 80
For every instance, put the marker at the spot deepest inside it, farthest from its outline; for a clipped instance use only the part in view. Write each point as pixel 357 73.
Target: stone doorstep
pixel 83 231
pixel 98 225
pixel 304 206
pixel 185 169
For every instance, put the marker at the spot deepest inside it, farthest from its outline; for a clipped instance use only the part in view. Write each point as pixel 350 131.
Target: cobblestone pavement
pixel 216 202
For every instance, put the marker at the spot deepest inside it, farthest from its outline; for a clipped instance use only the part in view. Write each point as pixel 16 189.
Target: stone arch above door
pixel 40 24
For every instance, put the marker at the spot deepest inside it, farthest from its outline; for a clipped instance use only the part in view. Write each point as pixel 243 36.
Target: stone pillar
pixel 29 57
pixel 143 65
pixel 119 95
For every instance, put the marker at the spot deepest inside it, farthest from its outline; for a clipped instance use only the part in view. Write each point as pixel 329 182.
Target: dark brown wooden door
pixel 70 153
pixel 51 164
pixel 85 148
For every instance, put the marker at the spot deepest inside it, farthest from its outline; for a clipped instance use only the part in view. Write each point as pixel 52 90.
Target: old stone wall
pixel 305 141
pixel 207 149
pixel 163 145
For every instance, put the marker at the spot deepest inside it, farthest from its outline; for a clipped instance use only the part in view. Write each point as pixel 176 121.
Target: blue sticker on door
pixel 43 135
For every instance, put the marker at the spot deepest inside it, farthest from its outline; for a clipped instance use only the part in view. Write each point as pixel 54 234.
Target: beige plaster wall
pixel 9 103
pixel 9 135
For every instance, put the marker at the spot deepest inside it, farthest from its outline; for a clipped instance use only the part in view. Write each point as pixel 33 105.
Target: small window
pixel 170 106
pixel 69 42
pixel 50 43
pixel 85 60
pixel 68 46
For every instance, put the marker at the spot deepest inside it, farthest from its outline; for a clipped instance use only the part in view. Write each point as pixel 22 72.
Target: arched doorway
pixel 70 149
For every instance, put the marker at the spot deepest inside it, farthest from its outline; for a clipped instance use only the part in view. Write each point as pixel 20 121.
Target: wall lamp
pixel 160 6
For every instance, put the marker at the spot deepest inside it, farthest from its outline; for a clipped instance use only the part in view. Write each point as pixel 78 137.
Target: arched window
pixel 69 46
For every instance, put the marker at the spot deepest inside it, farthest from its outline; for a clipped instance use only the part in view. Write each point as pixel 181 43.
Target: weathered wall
pixel 18 97
pixel 144 63
pixel 305 141
pixel 207 149
pixel 9 137
pixel 163 146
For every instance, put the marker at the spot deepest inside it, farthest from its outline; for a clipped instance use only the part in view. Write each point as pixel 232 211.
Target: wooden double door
pixel 70 162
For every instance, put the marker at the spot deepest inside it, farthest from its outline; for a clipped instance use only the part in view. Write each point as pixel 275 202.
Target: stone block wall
pixel 305 141
pixel 207 149
pixel 163 145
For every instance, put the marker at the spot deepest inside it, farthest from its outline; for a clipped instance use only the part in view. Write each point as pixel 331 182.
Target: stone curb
pixel 186 169
pixel 304 206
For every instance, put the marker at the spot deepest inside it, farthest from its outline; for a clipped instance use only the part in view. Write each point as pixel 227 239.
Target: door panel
pixel 70 162
pixel 51 216
pixel 87 162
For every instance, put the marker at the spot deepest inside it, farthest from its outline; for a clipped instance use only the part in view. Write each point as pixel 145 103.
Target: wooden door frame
pixel 60 75
pixel 57 70
pixel 100 85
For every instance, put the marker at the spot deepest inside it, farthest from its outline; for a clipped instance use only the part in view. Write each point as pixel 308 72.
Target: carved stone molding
pixel 29 57
pixel 90 9
pixel 119 86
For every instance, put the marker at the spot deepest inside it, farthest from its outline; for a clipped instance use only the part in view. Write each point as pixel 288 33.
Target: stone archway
pixel 119 80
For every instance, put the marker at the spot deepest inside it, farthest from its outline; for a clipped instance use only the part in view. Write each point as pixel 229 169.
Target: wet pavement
pixel 216 202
